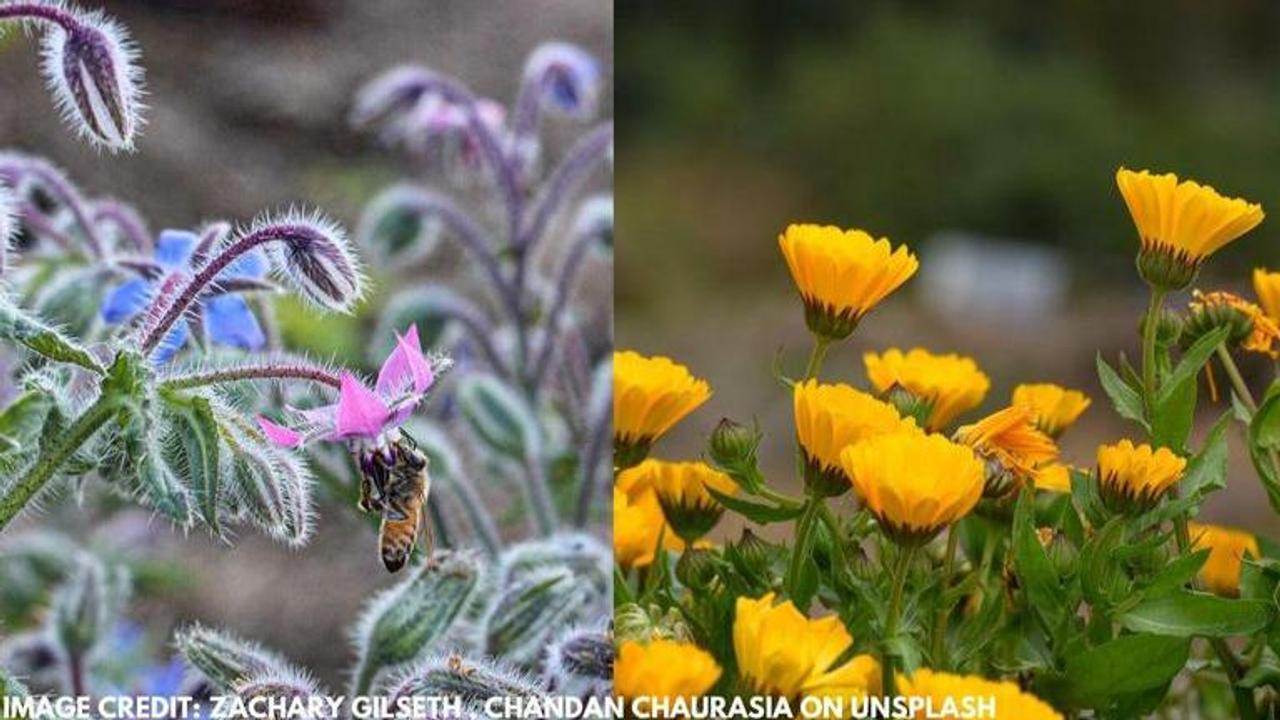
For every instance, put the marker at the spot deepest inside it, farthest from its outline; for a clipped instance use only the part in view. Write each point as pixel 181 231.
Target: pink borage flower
pixel 361 415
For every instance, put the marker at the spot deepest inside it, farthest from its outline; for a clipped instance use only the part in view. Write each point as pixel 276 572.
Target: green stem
pixel 1246 396
pixel 1230 664
pixel 828 518
pixel 887 668
pixel 1227 658
pixel 21 492
pixel 944 613
pixel 803 542
pixel 1149 349
pixel 816 356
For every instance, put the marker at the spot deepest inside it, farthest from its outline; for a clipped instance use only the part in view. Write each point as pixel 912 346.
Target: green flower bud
pixel 732 445
pixel 404 623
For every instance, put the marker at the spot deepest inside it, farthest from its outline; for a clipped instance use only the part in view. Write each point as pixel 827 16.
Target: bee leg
pixel 366 494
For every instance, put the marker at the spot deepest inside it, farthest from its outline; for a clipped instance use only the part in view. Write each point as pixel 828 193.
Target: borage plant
pixel 531 623
pixel 978 562
pixel 532 386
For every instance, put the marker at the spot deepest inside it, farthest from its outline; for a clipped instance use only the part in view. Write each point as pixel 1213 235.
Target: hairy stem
pixel 196 286
pixel 538 493
pixel 887 659
pixel 290 370
pixel 21 492
pixel 41 11
pixel 591 457
pixel 52 179
pixel 577 164
pixel 565 281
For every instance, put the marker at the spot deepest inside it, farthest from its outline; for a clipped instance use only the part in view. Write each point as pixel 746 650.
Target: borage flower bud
pixel 781 652
pixel 564 78
pixel 1011 447
pixel 85 608
pixel 733 445
pixel 225 660
pixel 1227 549
pixel 650 395
pixel 663 668
pixel 942 689
pixel 914 484
pixel 282 684
pixel 1132 479
pixel 1248 326
pixel 1053 408
pixel 8 227
pixel 313 253
pixel 90 65
pixel 1180 224
pixel 405 620
pixel 951 384
pixel 580 662
pixel 830 418
pixel 842 274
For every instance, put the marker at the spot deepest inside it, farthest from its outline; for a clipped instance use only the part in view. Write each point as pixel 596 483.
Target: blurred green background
pixel 985 135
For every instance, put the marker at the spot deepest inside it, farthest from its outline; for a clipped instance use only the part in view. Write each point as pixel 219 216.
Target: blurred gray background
pixel 248 106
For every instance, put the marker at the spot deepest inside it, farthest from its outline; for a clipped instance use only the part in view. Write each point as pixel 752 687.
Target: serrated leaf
pixel 1174 415
pixel 1127 401
pixel 1207 470
pixel 1190 363
pixel 1176 574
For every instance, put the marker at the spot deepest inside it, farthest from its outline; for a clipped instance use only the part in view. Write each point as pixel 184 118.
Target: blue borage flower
pixel 226 316
pixel 567 77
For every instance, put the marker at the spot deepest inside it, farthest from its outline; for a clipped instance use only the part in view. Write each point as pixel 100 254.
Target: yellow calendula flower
pixel 1249 327
pixel 937 388
pixel 1053 407
pixel 828 419
pixel 1266 285
pixel 638 522
pixel 681 489
pixel 650 395
pixel 949 693
pixel 663 668
pixel 1227 550
pixel 1180 224
pixel 781 652
pixel 842 274
pixel 1132 479
pixel 1054 477
pixel 914 484
pixel 1011 446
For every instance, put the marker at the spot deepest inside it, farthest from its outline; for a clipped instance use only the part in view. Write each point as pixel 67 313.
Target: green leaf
pixel 19 326
pixel 192 450
pixel 1189 365
pixel 1103 581
pixel 1176 574
pixel 1174 415
pixel 1186 613
pixel 1207 470
pixel 499 416
pixel 1129 664
pixel 1127 401
pixel 1264 429
pixel 1035 570
pixel 756 512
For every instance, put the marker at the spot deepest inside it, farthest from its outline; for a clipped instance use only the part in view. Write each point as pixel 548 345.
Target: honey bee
pixel 394 482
